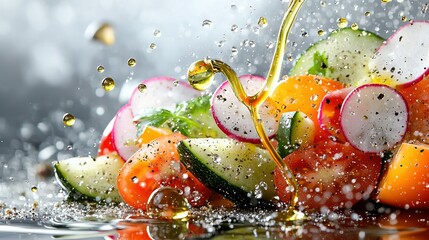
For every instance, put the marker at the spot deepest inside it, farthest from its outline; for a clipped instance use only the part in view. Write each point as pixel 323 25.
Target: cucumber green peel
pixel 242 172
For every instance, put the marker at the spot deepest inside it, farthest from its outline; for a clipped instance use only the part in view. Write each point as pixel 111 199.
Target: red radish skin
pixel 125 132
pixel 161 92
pixel 233 118
pixel 107 143
pixel 374 117
pixel 403 59
pixel 328 114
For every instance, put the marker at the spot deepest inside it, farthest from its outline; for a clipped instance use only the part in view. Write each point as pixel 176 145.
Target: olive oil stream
pixel 201 74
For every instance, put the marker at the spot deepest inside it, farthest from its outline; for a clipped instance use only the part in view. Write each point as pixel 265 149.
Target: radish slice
pixel 329 113
pixel 233 117
pixel 125 132
pixel 404 58
pixel 374 117
pixel 160 92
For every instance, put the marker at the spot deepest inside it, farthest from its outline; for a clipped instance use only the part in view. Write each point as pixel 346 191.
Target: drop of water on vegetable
pixel 167 203
pixel 68 119
pixel 108 84
pixel 355 26
pixel 142 87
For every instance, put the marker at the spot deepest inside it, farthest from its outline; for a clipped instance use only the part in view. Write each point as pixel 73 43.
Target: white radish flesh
pixel 233 117
pixel 125 132
pixel 404 58
pixel 160 92
pixel 374 117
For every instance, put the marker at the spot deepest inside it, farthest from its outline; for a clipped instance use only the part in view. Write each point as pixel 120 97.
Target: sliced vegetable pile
pixel 350 99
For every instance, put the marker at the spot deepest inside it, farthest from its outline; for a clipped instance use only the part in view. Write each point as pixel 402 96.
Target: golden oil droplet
pixel 100 69
pixel 142 87
pixel 201 74
pixel 404 18
pixel 262 22
pixel 152 46
pixel 132 62
pixel 157 33
pixel 342 22
pixel 367 14
pixel 385 1
pixel 321 32
pixel 103 33
pixel 108 84
pixel 68 119
pixel 355 26
pixel 167 203
pixel 34 189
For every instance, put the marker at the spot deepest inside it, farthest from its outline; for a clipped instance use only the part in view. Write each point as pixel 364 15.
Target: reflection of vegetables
pixel 191 118
pixel 406 180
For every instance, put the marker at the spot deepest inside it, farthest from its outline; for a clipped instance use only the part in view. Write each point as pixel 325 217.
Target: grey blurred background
pixel 48 64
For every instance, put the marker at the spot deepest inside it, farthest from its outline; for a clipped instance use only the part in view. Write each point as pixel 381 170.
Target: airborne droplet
pixel 132 62
pixel 68 119
pixel 262 22
pixel 108 84
pixel 342 22
pixel 101 32
pixel 100 69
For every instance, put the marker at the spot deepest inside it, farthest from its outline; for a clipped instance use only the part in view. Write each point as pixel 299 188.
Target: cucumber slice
pixel 348 53
pixel 242 172
pixel 90 178
pixel 295 129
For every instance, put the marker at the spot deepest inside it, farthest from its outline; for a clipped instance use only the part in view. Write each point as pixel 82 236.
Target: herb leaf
pixel 320 65
pixel 156 118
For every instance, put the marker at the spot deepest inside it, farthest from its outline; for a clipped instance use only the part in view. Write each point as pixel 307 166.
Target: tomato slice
pixel 330 112
pixel 107 145
pixel 330 175
pixel 154 165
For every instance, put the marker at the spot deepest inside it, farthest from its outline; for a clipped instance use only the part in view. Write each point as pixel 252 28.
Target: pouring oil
pixel 201 74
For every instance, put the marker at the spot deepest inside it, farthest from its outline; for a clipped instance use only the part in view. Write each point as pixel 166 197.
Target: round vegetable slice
pixel 343 56
pixel 125 132
pixel 233 117
pixel 404 58
pixel 330 175
pixel 374 117
pixel 160 92
pixel 406 181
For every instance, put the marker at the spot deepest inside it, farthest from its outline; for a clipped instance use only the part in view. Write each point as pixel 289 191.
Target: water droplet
pixel 234 51
pixel 69 147
pixel 262 22
pixel 207 23
pixel 142 87
pixel 157 33
pixel 270 44
pixel 355 26
pixel 103 33
pixel 68 119
pixel 321 32
pixel 134 179
pixel 367 14
pixel 342 22
pixel 234 28
pixel 34 189
pixel 201 74
pixel 132 62
pixel 167 203
pixel 152 46
pixel 100 69
pixel 108 84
